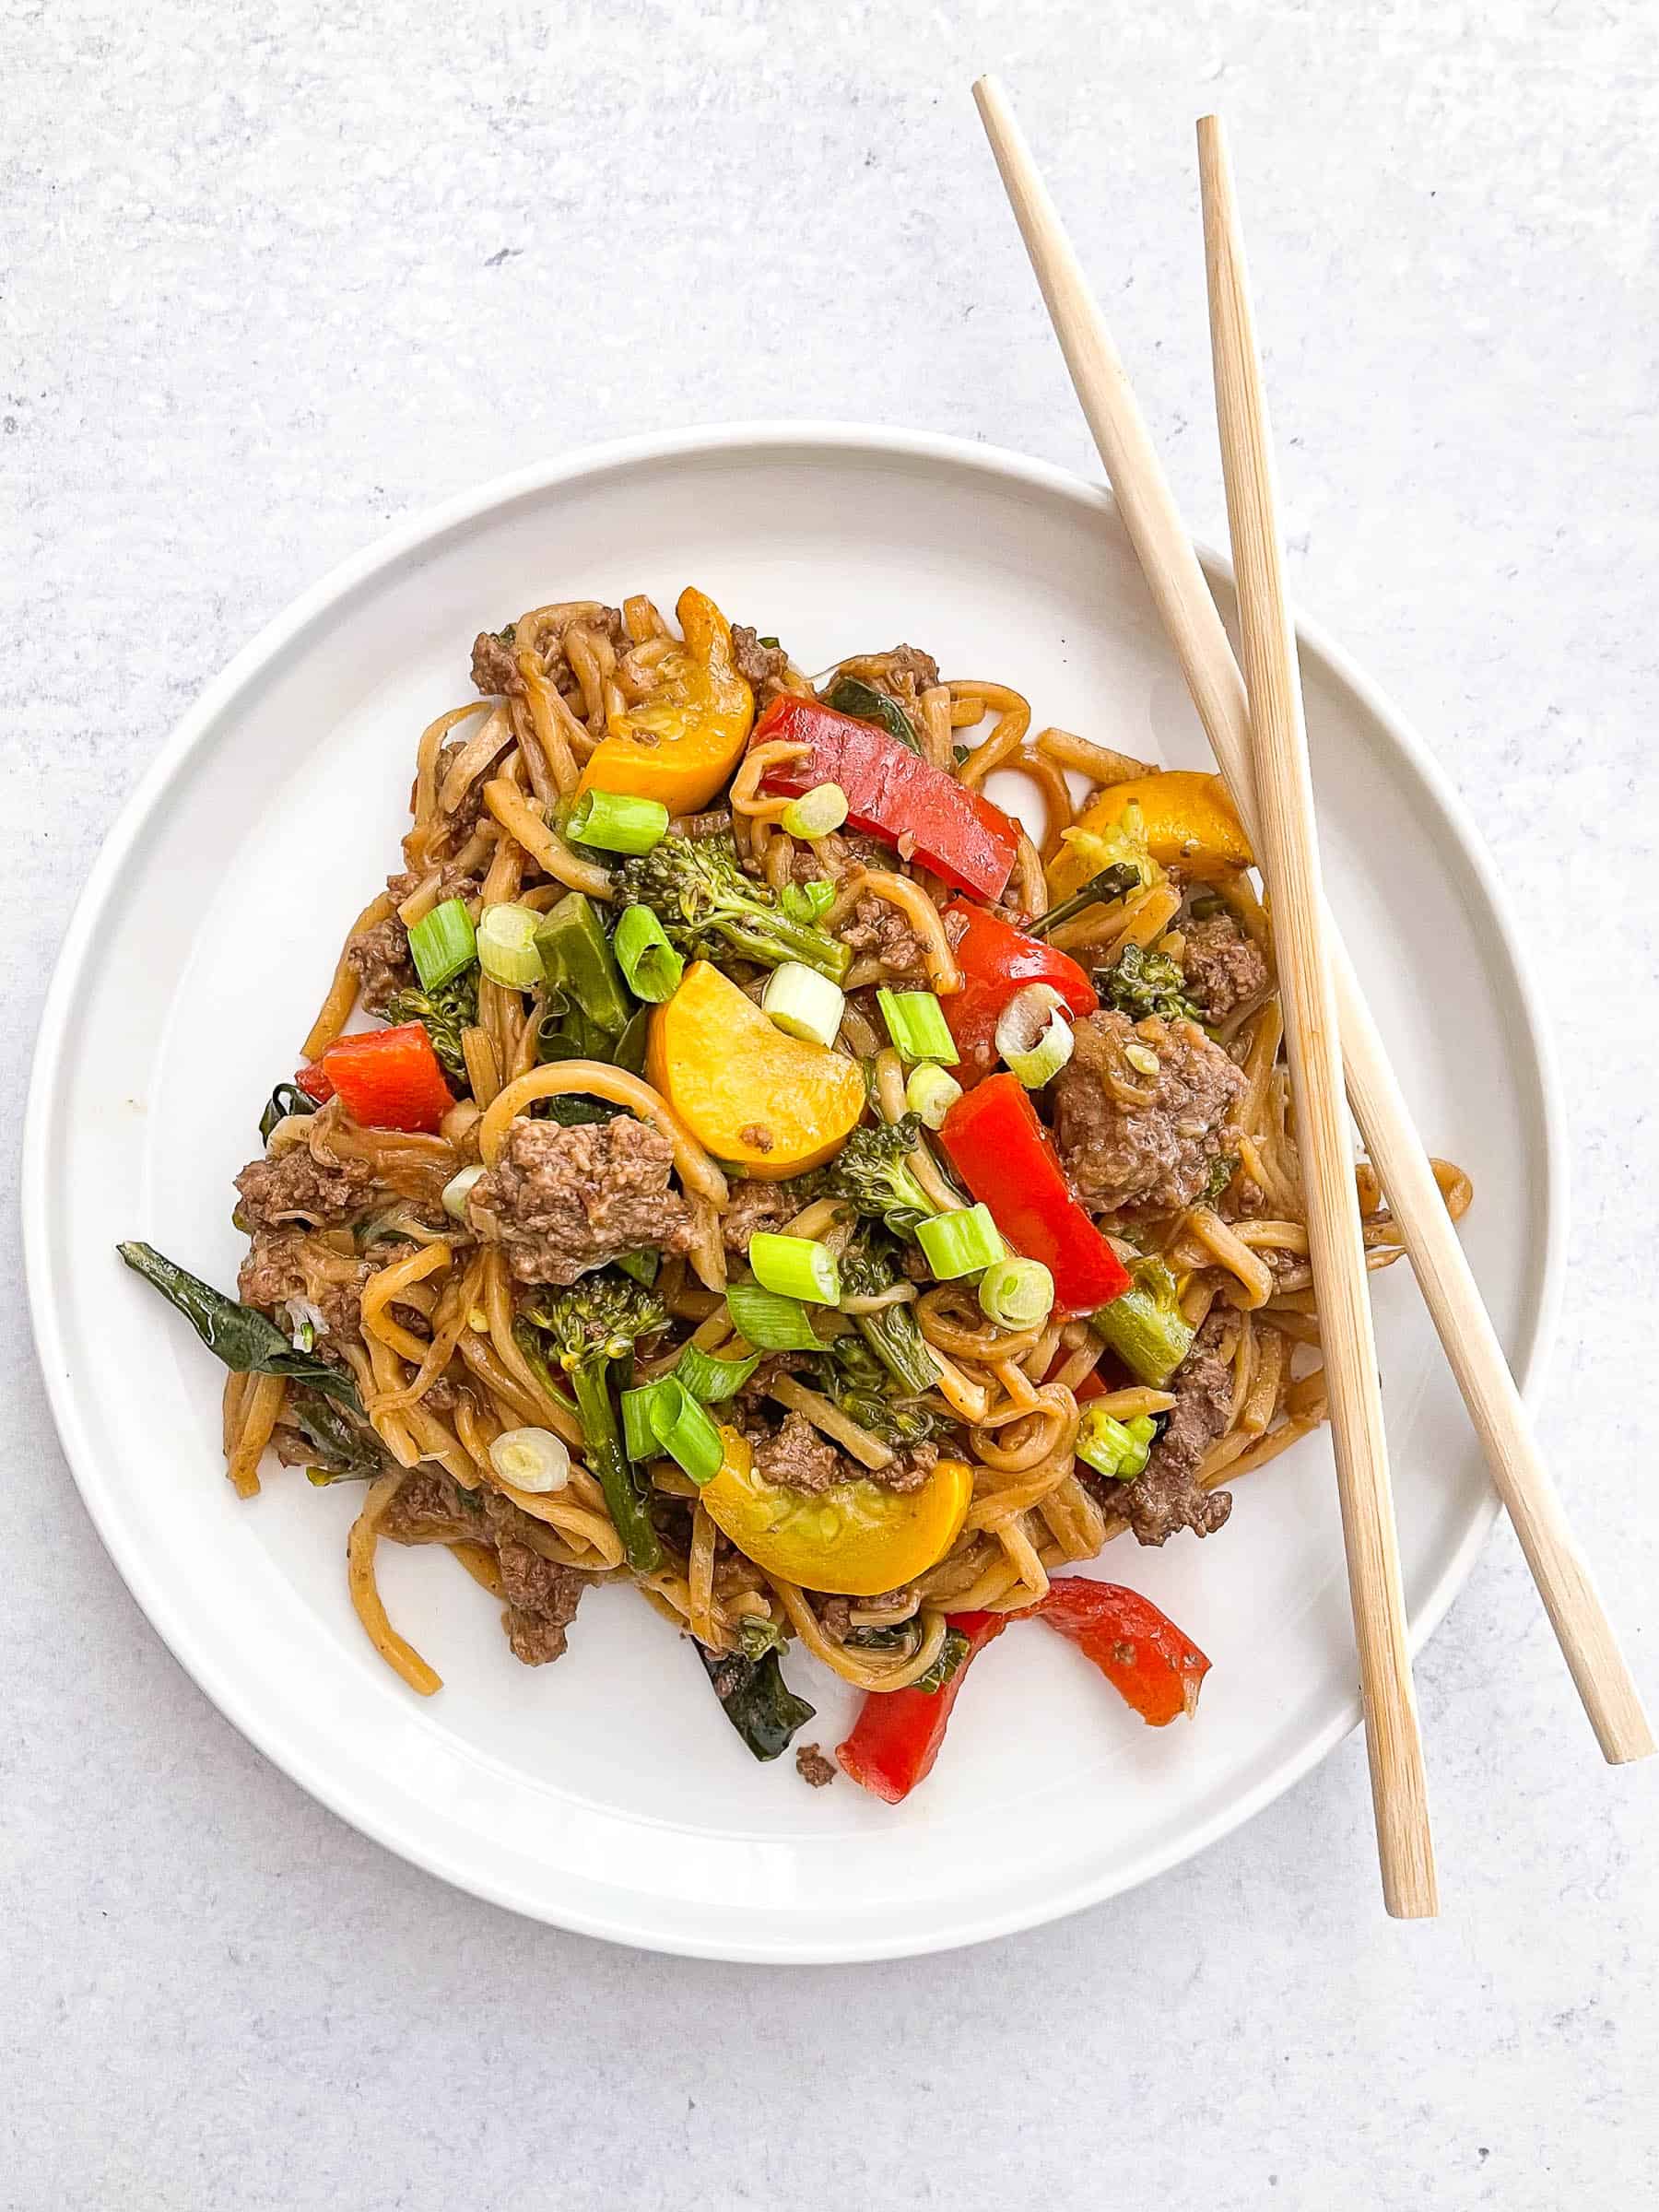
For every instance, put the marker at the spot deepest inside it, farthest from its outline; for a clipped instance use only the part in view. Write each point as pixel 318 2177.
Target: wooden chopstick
pixel 1291 866
pixel 1182 598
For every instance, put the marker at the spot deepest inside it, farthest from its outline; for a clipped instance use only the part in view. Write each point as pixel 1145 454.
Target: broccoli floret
pixel 892 1334
pixel 593 1327
pixel 1140 983
pixel 854 1377
pixel 873 1173
pixel 444 1014
pixel 1145 1325
pixel 708 908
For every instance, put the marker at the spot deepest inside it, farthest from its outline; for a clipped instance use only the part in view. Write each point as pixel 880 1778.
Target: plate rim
pixel 171 1620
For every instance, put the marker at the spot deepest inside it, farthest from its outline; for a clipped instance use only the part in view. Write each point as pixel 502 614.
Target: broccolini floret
pixel 710 908
pixel 445 1014
pixel 873 1173
pixel 1140 983
pixel 892 1334
pixel 591 1328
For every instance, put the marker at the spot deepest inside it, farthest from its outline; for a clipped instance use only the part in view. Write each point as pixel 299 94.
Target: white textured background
pixel 273 273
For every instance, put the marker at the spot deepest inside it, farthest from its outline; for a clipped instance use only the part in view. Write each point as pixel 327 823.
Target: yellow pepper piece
pixel 854 1538
pixel 682 742
pixel 771 1104
pixel 1187 818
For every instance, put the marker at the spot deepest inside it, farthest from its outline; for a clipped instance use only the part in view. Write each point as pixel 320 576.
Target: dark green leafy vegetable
pixel 710 908
pixel 852 1377
pixel 1115 882
pixel 288 1097
pixel 239 1336
pixel 345 1453
pixel 444 1014
pixel 1140 983
pixel 593 1327
pixel 952 1652
pixel 588 1007
pixel 642 1266
pixel 755 1699
pixel 848 695
pixel 869 1265
pixel 1220 1175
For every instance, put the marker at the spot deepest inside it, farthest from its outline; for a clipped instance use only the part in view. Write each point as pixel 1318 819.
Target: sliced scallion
pixel 531 1459
pixel 802 1003
pixel 712 1382
pixel 816 812
pixel 507 947
pixel 796 1268
pixel 1033 1034
pixel 806 901
pixel 616 822
pixel 639 1438
pixel 964 1242
pixel 458 1189
pixel 1119 1449
pixel 442 943
pixel 648 963
pixel 930 1093
pixel 916 1023
pixel 1017 1294
pixel 685 1431
pixel 769 1323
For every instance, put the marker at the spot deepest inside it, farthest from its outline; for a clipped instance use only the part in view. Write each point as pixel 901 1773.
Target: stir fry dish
pixel 765 1176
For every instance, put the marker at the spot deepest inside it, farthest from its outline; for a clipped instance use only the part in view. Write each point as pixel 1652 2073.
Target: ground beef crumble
pixel 1167 1496
pixel 564 1201
pixel 813 1767
pixel 1156 1154
pixel 298 1188
pixel 542 1594
pixel 1224 969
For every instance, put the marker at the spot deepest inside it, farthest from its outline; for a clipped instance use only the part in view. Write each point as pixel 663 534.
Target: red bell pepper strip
pixel 893 794
pixel 1093 1384
pixel 1002 1152
pixel 997 961
pixel 384 1078
pixel 896 1737
pixel 1139 1650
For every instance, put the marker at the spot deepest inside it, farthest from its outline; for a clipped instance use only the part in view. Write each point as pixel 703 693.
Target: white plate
pixel 607 1793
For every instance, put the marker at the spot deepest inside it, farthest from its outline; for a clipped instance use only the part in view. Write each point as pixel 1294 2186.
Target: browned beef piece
pixel 271 1272
pixel 755 1206
pixel 380 956
pixel 797 1456
pixel 757 664
pixel 564 1201
pixel 541 1595
pixel 831 858
pixel 874 927
pixel 835 1618
pixel 1158 1154
pixel 1168 1496
pixel 909 663
pixel 495 671
pixel 297 1188
pixel 1224 967
pixel 813 1767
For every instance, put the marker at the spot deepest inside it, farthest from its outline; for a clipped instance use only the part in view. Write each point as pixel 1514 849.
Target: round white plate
pixel 607 1793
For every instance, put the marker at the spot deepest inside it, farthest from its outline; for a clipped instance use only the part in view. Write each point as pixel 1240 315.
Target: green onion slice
pixel 616 823
pixel 816 812
pixel 806 901
pixel 442 943
pixel 916 1023
pixel 769 1323
pixel 964 1242
pixel 712 1382
pixel 639 1438
pixel 508 952
pixel 685 1431
pixel 458 1189
pixel 531 1459
pixel 930 1094
pixel 1017 1294
pixel 1119 1449
pixel 802 1003
pixel 1033 1034
pixel 796 1268
pixel 648 963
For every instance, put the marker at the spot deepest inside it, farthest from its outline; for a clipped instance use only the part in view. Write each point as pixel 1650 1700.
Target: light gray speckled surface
pixel 270 276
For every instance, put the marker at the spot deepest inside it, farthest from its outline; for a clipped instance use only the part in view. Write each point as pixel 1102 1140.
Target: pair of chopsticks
pixel 1256 728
